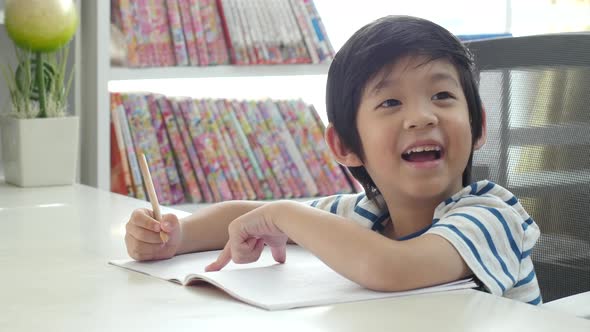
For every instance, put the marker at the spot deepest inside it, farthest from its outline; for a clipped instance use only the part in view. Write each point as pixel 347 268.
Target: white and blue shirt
pixel 484 222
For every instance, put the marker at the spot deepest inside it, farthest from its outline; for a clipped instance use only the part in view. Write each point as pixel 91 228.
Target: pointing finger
pixel 279 253
pixel 222 260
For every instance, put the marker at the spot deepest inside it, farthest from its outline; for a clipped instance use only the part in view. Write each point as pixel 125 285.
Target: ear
pixel 341 153
pixel 484 131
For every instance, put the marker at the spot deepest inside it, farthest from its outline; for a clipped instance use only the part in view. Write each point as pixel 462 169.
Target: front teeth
pixel 424 148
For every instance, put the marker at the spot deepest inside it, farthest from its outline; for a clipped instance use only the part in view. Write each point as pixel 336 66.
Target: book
pixel 130 149
pixel 302 281
pixel 120 173
pixel 185 169
pixel 177 33
pixel 166 151
pixel 145 141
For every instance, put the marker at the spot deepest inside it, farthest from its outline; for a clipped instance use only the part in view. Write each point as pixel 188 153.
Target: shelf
pixel 120 74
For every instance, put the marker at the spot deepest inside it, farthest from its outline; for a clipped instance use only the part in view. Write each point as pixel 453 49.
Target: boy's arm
pixel 368 258
pixel 206 229
pixel 357 253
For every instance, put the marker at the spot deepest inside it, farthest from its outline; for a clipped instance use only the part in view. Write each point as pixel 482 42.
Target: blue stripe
pixel 415 234
pixel 334 207
pixel 487 188
pixel 378 223
pixel 526 254
pixel 314 203
pixel 358 199
pixel 512 201
pixel 448 201
pixel 474 251
pixel 535 301
pixel 526 224
pixel 473 189
pixel 490 242
pixel 435 220
pixel 526 280
pixel 365 214
pixel 500 218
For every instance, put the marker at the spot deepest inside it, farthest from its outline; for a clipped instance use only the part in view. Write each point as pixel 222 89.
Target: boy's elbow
pixel 382 275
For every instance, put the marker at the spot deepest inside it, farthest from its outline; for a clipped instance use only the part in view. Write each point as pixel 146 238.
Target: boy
pixel 405 117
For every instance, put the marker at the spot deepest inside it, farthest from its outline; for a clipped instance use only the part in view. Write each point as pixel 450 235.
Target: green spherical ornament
pixel 40 25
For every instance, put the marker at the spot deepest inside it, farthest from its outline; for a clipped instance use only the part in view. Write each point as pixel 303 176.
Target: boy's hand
pixel 142 236
pixel 247 236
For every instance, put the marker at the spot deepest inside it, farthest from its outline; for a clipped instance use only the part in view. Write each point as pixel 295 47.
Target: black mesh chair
pixel 536 92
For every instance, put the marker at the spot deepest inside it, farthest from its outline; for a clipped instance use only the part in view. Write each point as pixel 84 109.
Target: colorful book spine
pixel 272 150
pixel 270 34
pixel 245 26
pixel 183 162
pixel 161 34
pixel 300 54
pixel 223 155
pixel 119 154
pixel 176 191
pixel 118 184
pixel 177 33
pixel 214 29
pixel 143 30
pixel 281 23
pixel 127 13
pixel 221 55
pixel 206 146
pixel 305 30
pixel 257 32
pixel 319 29
pixel 298 131
pixel 244 151
pixel 299 170
pixel 218 109
pixel 184 7
pixel 129 147
pixel 232 33
pixel 145 141
pixel 198 32
pixel 333 169
pixel 198 163
pixel 241 110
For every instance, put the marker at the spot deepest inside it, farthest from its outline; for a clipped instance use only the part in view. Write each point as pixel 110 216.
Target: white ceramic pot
pixel 40 152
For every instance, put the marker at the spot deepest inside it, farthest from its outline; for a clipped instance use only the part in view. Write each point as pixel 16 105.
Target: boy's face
pixel 414 127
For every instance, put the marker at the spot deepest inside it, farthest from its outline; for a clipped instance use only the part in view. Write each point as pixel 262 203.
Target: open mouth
pixel 423 154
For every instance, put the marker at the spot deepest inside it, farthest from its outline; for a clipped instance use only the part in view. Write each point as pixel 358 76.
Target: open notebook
pixel 302 281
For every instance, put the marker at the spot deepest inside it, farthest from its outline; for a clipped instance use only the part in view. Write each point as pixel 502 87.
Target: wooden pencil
pixel 149 186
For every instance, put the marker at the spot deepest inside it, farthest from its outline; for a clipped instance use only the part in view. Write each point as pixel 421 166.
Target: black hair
pixel 380 44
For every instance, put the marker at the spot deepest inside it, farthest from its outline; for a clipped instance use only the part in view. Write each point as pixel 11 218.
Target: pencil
pixel 149 185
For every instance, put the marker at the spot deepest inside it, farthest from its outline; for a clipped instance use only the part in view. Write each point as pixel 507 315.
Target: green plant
pixel 41 32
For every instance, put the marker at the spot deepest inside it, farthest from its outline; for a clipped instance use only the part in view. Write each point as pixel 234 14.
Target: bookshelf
pixel 96 72
pixel 120 74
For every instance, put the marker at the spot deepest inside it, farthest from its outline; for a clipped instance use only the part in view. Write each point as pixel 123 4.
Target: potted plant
pixel 39 138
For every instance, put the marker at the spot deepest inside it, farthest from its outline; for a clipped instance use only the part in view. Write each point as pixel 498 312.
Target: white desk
pixel 55 244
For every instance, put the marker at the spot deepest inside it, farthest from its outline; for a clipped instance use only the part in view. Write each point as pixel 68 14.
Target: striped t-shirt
pixel 484 222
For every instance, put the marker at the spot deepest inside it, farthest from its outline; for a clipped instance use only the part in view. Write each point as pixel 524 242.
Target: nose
pixel 420 118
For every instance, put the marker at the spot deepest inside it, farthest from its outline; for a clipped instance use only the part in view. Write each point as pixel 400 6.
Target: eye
pixel 390 103
pixel 443 95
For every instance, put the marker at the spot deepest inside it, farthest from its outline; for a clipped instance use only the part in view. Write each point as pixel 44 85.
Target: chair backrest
pixel 536 92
